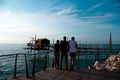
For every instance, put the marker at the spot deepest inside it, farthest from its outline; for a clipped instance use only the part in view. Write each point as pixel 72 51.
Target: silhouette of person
pixel 57 53
pixel 72 50
pixel 64 52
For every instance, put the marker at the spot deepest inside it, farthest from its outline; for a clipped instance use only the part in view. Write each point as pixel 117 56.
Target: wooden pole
pixel 33 72
pixel 35 37
pixel 26 66
pixel 45 62
pixel 15 67
pixel 110 43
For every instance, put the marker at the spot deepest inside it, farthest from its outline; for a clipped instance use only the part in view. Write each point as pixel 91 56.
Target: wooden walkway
pixel 53 74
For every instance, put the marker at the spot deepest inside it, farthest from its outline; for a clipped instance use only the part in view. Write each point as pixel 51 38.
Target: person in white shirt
pixel 72 50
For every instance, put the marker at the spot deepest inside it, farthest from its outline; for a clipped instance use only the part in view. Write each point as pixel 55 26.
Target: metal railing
pixel 13 65
pixel 87 54
pixel 28 64
pixel 6 66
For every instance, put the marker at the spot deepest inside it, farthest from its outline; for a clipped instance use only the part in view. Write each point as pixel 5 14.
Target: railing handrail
pixel 22 54
pixel 15 64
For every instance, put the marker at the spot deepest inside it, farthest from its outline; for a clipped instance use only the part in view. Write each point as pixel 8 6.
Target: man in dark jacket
pixel 64 52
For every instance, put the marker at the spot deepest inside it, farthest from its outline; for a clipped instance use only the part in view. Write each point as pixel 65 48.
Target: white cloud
pixel 18 27
pixel 93 7
pixel 67 11
pixel 105 16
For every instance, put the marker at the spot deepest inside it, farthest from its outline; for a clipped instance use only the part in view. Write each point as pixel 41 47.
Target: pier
pixel 53 74
pixel 39 64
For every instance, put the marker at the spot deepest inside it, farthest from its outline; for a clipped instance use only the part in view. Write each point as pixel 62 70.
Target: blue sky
pixel 90 21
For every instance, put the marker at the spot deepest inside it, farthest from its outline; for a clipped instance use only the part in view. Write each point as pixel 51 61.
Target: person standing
pixel 72 50
pixel 64 52
pixel 57 54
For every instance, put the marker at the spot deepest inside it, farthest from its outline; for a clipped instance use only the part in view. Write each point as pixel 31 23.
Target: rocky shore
pixel 111 64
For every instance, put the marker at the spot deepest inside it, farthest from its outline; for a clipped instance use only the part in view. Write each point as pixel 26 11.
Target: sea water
pixel 11 48
pixel 7 62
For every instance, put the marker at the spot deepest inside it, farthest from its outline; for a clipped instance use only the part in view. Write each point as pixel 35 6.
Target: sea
pixel 8 55
pixel 6 60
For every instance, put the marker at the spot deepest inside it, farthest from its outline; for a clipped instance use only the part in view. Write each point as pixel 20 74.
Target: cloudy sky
pixel 90 21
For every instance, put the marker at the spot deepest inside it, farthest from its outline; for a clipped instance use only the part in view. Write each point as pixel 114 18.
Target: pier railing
pixel 6 66
pixel 23 64
pixel 29 63
pixel 87 54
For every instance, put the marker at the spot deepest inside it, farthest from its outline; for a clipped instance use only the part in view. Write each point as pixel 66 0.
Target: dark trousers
pixel 57 59
pixel 64 55
pixel 72 60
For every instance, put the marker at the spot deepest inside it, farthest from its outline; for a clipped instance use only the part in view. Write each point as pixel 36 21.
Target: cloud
pixel 94 7
pixel 40 23
pixel 17 27
pixel 67 11
pixel 53 22
pixel 105 16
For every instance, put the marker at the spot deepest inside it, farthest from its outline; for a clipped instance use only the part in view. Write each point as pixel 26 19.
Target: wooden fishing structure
pixel 38 44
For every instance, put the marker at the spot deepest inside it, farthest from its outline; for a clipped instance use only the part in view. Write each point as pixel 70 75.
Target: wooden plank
pixel 53 74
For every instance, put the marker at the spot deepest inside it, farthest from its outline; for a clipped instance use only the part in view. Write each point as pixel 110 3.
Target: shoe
pixel 67 69
pixel 61 68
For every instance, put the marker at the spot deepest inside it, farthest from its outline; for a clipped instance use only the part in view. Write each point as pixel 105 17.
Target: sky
pixel 89 21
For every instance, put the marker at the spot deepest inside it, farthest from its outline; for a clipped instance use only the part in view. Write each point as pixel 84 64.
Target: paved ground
pixel 53 74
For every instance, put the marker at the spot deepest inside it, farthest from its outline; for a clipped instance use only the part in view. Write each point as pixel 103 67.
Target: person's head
pixel 73 38
pixel 64 38
pixel 57 41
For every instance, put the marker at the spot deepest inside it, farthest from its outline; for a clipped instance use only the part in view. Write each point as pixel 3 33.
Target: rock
pixel 99 65
pixel 112 58
pixel 118 59
pixel 111 64
pixel 96 63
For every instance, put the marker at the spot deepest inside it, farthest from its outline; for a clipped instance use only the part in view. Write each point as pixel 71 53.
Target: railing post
pixel 78 56
pixel 15 67
pixel 45 62
pixel 48 57
pixel 33 72
pixel 26 66
pixel 110 43
pixel 53 63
